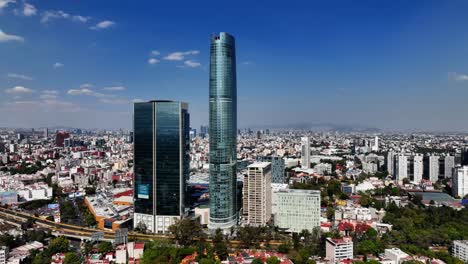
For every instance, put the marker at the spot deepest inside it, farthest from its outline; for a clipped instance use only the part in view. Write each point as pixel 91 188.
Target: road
pixel 85 232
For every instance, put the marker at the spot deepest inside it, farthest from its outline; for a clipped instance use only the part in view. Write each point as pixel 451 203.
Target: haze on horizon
pixel 399 65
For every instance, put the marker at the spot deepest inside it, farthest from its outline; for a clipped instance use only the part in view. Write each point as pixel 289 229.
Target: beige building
pixel 257 194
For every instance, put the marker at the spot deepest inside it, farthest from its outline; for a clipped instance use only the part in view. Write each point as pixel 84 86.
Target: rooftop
pixel 260 165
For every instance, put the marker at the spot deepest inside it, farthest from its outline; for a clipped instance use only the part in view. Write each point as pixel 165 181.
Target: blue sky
pixel 387 64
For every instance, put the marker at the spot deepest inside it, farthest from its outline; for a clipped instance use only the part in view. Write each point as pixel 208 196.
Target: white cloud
pixel 81 19
pixel 153 61
pixel 81 91
pixel 115 88
pixel 85 89
pixel 247 62
pixel 19 90
pixel 49 15
pixel 155 52
pixel 4 37
pixel 58 65
pixel 19 76
pixel 5 3
pixel 49 94
pixel 103 25
pixel 59 14
pixel 192 64
pixel 137 100
pixel 458 77
pixel 180 55
pixel 29 10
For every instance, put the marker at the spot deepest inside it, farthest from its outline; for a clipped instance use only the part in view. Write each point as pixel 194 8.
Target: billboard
pixel 143 191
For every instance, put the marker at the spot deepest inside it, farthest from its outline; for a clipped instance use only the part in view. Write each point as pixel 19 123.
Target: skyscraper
pixel 161 163
pixel 305 152
pixel 222 132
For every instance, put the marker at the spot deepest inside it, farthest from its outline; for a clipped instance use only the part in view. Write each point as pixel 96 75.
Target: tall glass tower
pixel 222 132
pixel 161 167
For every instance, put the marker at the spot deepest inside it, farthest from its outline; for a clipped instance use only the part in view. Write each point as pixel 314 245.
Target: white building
pixel 339 249
pixel 433 168
pixel 396 255
pixel 204 214
pixel 375 147
pixel 418 168
pixel 449 165
pixel 297 210
pixel 401 171
pixel 390 162
pixel 460 182
pixel 460 250
pixel 3 255
pixel 305 152
pixel 257 193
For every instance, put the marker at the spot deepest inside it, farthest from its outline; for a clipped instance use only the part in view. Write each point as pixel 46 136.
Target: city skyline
pixel 389 65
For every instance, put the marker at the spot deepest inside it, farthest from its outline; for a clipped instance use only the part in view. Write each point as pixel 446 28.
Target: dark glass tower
pixel 222 132
pixel 161 163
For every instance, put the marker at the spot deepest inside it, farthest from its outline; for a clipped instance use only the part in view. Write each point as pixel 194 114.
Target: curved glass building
pixel 222 131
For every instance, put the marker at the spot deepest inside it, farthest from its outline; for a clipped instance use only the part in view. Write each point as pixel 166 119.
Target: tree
pixel 206 261
pixel 273 260
pixel 220 245
pixel 104 247
pixel 71 258
pixel 284 247
pixel 186 231
pixel 257 261
pixel 248 235
pixel 58 245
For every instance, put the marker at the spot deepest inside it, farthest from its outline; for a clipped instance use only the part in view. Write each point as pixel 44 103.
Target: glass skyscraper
pixel 161 163
pixel 222 132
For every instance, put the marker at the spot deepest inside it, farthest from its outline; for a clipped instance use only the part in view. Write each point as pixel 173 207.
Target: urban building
pixel 277 170
pixel 431 168
pixel 60 138
pixel 390 162
pixel 460 182
pixel 401 165
pixel 396 255
pixel 3 254
pixel 418 168
pixel 223 132
pixel 161 163
pixel 449 165
pixel 338 249
pixel 460 250
pixel 375 147
pixel 257 194
pixel 296 210
pixel 305 152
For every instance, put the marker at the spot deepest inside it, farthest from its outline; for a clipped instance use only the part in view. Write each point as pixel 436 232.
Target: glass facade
pixel 277 170
pixel 161 149
pixel 222 132
pixel 143 157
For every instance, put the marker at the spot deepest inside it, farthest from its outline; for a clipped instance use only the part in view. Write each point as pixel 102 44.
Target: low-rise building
pixel 460 249
pixel 338 249
pixel 396 255
pixel 296 210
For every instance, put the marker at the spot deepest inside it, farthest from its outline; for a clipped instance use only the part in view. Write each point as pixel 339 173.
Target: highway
pixel 74 231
